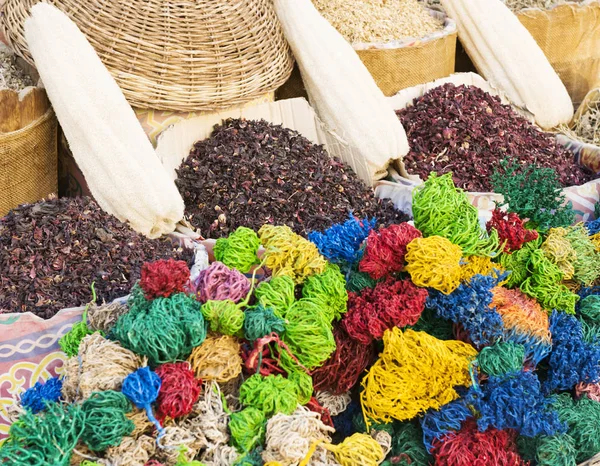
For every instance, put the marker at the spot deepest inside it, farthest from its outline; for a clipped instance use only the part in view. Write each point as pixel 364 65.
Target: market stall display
pixel 256 367
pixel 238 294
pixel 183 55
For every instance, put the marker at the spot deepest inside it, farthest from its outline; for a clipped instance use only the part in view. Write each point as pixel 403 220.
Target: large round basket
pixel 180 55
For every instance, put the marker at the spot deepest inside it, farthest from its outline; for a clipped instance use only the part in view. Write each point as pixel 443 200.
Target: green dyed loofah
pixel 254 458
pixel 277 293
pixel 46 438
pixel 358 421
pixel 308 334
pixel 328 288
pixel 225 317
pixel 441 209
pixel 304 385
pixel 260 321
pixel 105 420
pixel 589 316
pixel 271 395
pixel 501 358
pixel 247 429
pixel 544 284
pixel 407 444
pixel 587 262
pixel 517 262
pixel 165 329
pixel 239 250
pixel 583 420
pixel 70 341
pixel 358 281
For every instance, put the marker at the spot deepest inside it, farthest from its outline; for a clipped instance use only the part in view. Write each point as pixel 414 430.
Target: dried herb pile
pixel 378 21
pixel 251 173
pixel 12 76
pixel 467 131
pixel 518 5
pixel 51 252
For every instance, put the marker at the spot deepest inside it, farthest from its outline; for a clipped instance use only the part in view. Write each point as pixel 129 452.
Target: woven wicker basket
pixel 181 55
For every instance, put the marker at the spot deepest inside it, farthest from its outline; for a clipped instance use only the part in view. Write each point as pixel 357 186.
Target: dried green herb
pixel 51 252
pixel 533 193
pixel 251 173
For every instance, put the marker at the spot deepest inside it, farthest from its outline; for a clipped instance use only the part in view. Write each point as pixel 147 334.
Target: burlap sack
pixel 28 148
pixel 569 35
pixel 395 67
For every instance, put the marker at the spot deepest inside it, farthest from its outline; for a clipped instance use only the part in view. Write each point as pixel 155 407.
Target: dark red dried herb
pixel 466 131
pixel 251 173
pixel 51 252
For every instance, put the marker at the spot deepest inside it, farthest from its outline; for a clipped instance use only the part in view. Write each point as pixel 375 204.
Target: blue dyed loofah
pixel 469 305
pixel 36 397
pixel 449 418
pixel 142 387
pixel 341 243
pixel 515 401
pixel 593 226
pixel 535 349
pixel 573 360
pixel 343 424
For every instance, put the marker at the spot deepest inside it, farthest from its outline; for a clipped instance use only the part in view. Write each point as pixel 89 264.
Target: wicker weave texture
pixel 180 55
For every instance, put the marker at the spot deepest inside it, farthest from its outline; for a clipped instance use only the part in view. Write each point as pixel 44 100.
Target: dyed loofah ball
pixel 35 398
pixel 247 429
pixel 345 366
pixel 476 265
pixel 165 330
pixel 441 209
pixel 218 359
pixel 105 420
pixel 385 250
pixel 308 334
pixel 342 242
pixel 225 317
pixel 277 293
pixel 179 390
pixel 434 262
pixel 287 253
pixel 572 360
pixel 511 230
pixel 501 358
pixel 525 322
pixel 391 304
pixel 517 262
pixel 46 438
pixel 469 306
pixel 415 372
pixel 470 447
pixel 218 282
pixel 271 395
pixel 438 423
pixel 70 341
pixel 328 289
pixel 239 250
pixel 164 278
pixel 515 401
pixel 260 321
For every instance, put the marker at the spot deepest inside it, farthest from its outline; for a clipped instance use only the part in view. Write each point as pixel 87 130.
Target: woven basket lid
pixel 180 55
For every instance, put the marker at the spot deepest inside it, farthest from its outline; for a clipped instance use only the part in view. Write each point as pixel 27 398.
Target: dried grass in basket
pixel 180 55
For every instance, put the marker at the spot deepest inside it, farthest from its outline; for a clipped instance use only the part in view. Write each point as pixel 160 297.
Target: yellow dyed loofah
pixel 414 373
pixel 559 251
pixel 358 449
pixel 434 262
pixel 288 254
pixel 477 265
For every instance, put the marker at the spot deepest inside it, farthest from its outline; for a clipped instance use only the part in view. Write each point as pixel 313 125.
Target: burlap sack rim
pixel 450 28
pixel 574 5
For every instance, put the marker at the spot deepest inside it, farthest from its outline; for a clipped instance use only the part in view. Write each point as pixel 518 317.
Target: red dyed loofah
pixel 345 366
pixel 153 463
pixel 469 447
pixel 390 304
pixel 316 407
pixel 179 390
pixel 510 229
pixel 164 278
pixel 386 249
pixel 261 358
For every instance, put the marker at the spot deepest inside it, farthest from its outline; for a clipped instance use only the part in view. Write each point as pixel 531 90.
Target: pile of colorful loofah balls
pixel 430 342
